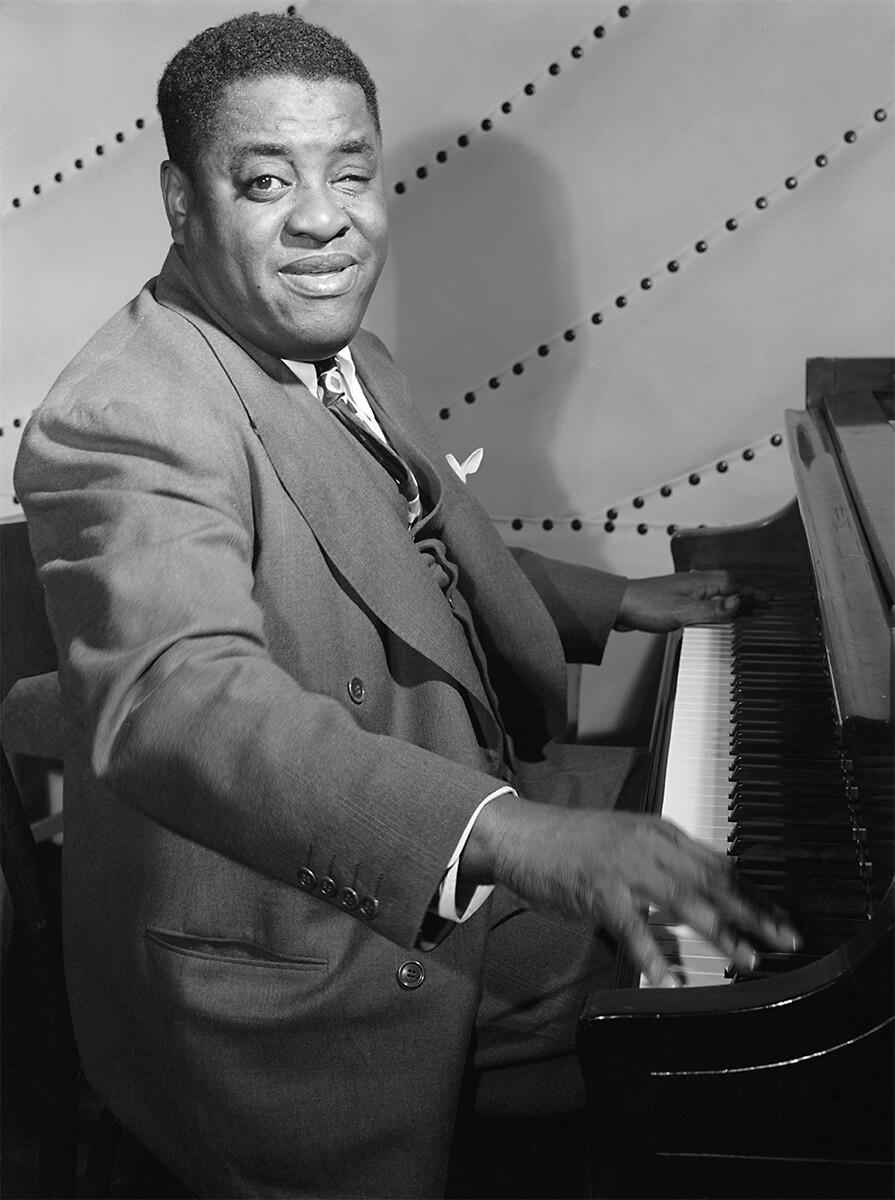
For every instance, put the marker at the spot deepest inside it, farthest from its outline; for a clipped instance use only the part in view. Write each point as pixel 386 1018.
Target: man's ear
pixel 177 193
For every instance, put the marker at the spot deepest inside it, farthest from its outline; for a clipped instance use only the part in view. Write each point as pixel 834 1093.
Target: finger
pixel 708 610
pixel 685 869
pixel 714 583
pixel 705 920
pixel 764 921
pixel 645 954
pixel 744 590
pixel 706 893
pixel 753 591
pixel 725 583
pixel 745 911
pixel 699 852
pixel 721 608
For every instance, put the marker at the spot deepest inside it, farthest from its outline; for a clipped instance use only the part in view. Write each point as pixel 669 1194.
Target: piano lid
pixel 843 449
pixel 863 428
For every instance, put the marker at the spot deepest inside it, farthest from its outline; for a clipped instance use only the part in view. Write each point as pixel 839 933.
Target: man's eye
pixel 267 185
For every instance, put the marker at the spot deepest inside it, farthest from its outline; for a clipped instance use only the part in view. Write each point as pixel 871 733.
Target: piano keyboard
pixel 755 768
pixel 697 782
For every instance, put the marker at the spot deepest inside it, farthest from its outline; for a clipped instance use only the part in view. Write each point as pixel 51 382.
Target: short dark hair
pixel 252 46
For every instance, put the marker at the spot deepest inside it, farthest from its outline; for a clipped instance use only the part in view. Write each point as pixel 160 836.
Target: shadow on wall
pixel 484 270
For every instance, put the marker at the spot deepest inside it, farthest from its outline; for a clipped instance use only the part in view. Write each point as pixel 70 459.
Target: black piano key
pixel 791 833
pixel 788 709
pixel 829 935
pixel 772 793
pixel 828 906
pixel 788 890
pixel 822 826
pixel 745 773
pixel 833 931
pixel 775 735
pixel 782 750
pixel 772 667
pixel 759 697
pixel 780 685
pixel 776 806
pixel 819 841
pixel 754 852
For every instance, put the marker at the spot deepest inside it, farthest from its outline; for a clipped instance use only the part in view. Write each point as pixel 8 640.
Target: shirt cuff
pixel 447 891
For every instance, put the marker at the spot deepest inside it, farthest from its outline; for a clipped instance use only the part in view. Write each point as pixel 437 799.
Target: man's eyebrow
pixel 259 150
pixel 358 145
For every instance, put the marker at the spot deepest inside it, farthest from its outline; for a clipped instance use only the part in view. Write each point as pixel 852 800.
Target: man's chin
pixel 310 343
pixel 314 351
pixel 302 343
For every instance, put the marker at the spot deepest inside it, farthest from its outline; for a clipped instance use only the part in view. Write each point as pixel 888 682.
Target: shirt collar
pixel 307 371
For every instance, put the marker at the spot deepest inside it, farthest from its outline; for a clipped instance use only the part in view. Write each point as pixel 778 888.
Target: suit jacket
pixel 276 733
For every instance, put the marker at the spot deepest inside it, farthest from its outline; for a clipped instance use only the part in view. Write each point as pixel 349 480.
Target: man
pixel 308 708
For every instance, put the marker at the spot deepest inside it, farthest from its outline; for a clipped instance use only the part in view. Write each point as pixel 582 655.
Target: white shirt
pixel 307 373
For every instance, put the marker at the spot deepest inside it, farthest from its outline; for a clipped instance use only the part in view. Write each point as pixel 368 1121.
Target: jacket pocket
pixel 232 950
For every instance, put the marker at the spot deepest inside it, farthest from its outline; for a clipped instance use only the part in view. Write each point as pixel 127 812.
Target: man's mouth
pixel 321 274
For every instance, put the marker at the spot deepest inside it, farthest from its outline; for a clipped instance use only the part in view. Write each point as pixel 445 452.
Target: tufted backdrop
pixel 617 234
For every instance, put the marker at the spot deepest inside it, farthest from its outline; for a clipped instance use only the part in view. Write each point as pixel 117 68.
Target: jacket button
pixel 307 879
pixel 410 975
pixel 356 689
pixel 349 899
pixel 369 907
pixel 328 886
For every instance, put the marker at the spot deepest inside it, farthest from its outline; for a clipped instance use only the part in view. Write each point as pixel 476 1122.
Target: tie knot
pixel 330 386
pixel 323 369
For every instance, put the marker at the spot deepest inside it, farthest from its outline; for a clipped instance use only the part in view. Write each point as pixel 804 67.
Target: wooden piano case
pixel 779 1086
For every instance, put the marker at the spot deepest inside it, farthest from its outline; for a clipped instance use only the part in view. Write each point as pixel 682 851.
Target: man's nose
pixel 316 213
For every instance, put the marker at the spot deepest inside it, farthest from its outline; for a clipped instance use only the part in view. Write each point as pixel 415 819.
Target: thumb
pixel 722 606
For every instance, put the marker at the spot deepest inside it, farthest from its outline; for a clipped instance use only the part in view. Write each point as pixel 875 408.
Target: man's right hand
pixel 608 867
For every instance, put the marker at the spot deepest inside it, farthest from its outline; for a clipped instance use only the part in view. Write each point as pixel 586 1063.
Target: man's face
pixel 284 228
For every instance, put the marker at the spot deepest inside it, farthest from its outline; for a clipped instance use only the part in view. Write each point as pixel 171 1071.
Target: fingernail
pixel 789 935
pixel 746 957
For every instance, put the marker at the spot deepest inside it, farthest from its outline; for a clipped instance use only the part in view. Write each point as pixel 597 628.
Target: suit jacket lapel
pixel 387 390
pixel 502 600
pixel 317 463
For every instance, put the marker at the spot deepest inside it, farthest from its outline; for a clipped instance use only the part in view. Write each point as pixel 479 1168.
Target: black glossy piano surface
pixel 781 1083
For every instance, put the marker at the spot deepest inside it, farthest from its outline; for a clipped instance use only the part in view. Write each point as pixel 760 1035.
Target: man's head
pixel 247 47
pixel 274 187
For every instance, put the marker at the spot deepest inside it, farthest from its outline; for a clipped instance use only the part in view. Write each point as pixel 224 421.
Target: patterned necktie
pixel 331 390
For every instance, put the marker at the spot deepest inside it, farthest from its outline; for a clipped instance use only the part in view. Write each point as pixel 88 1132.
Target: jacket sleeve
pixel 140 516
pixel 582 601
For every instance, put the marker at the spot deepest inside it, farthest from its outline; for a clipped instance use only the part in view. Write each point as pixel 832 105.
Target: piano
pixel 773 740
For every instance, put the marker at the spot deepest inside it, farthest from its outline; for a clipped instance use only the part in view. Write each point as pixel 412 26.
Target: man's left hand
pixel 667 602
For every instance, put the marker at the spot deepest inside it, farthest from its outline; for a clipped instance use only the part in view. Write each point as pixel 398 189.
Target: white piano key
pixel 697 782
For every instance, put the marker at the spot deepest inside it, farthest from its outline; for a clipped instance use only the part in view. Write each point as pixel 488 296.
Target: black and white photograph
pixel 447 518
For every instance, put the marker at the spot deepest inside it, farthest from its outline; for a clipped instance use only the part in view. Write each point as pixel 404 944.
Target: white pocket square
pixel 469 467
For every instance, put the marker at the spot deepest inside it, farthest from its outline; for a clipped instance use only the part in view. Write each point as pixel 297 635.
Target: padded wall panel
pixel 633 148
